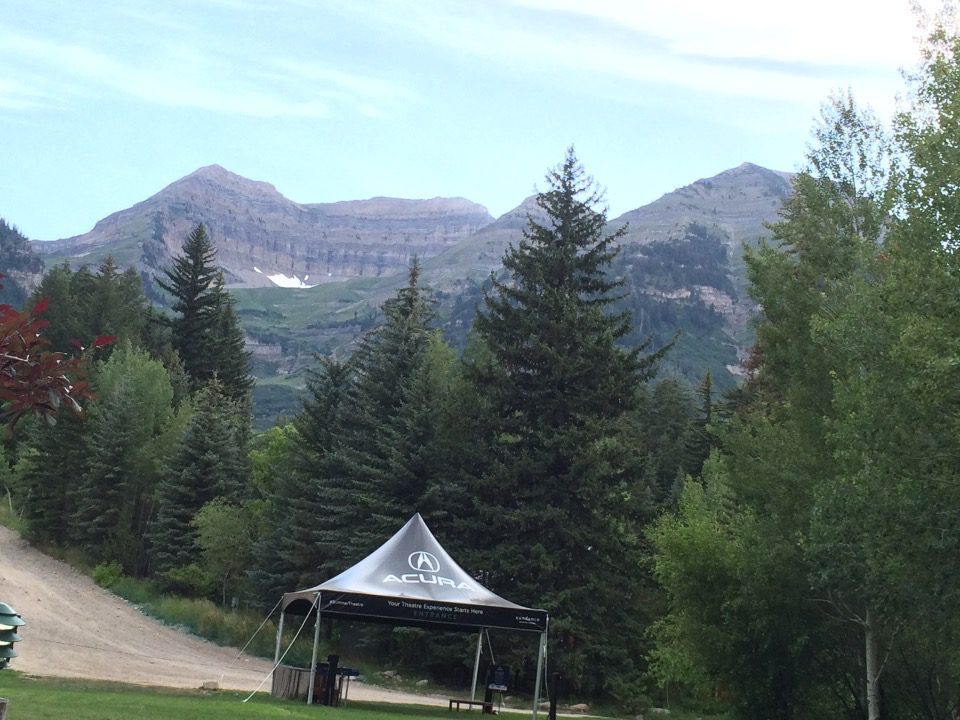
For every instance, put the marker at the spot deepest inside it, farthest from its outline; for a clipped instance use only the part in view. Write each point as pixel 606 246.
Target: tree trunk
pixel 873 669
pixel 3 708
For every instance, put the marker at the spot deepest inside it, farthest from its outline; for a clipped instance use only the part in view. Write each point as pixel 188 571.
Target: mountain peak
pixel 216 178
pixel 750 169
pixel 739 201
pixel 212 170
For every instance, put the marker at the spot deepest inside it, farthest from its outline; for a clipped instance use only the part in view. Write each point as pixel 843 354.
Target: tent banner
pixel 416 611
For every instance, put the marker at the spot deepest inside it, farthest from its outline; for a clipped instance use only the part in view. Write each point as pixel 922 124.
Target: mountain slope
pixel 332 265
pixel 21 267
pixel 260 234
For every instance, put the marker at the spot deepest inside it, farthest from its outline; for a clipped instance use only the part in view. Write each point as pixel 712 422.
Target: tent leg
pixel 476 665
pixel 313 661
pixel 540 657
pixel 276 652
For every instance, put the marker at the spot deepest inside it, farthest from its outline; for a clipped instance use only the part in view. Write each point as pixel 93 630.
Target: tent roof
pixel 411 580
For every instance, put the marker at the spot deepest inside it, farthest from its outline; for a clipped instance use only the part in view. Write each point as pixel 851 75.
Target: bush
pixel 192 580
pixel 106 575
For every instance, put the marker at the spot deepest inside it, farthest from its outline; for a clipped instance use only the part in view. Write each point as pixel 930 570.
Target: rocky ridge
pixel 681 264
pixel 260 234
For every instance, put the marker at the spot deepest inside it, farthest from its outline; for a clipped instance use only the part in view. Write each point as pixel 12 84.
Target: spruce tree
pixel 205 332
pixel 62 455
pixel 561 509
pixel 191 282
pixel 131 429
pixel 699 439
pixel 290 553
pixel 208 463
pixel 104 488
pixel 231 358
pixel 363 475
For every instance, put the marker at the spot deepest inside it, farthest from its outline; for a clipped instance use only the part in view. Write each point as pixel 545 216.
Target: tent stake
pixel 542 655
pixel 316 642
pixel 476 665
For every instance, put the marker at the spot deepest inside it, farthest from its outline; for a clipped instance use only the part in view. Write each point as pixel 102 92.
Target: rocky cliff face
pixel 734 207
pixel 738 202
pixel 265 239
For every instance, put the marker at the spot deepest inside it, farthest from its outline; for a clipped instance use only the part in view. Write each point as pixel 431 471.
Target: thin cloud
pixel 854 32
pixel 749 50
pixel 181 75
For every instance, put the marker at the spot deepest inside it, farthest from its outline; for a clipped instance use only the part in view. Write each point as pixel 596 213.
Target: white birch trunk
pixel 873 669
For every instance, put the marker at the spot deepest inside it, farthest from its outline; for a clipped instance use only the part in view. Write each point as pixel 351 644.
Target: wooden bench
pixel 487 706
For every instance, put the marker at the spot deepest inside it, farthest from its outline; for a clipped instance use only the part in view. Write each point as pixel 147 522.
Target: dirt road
pixel 76 629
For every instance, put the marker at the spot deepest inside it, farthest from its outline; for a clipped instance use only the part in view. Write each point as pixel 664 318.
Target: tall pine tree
pixel 562 509
pixel 205 331
pixel 364 476
pixel 289 552
pixel 208 463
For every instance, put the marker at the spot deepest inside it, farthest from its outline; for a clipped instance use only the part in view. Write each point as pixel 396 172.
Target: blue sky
pixel 103 103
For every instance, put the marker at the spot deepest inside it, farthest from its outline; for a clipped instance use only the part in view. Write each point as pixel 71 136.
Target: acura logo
pixel 426 569
pixel 423 562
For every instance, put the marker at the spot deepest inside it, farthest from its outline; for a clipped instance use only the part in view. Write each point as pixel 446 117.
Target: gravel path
pixel 76 629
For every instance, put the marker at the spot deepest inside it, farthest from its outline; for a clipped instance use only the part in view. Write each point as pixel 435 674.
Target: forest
pixel 787 549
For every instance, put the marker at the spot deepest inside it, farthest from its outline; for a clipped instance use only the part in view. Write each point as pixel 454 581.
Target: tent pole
pixel 316 642
pixel 543 653
pixel 476 665
pixel 276 652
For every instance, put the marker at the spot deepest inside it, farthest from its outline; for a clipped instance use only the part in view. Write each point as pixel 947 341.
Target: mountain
pixel 264 239
pixel 20 266
pixel 737 201
pixel 311 278
pixel 735 207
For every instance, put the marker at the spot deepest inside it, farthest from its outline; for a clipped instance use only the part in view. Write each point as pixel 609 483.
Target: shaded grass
pixel 232 628
pixel 34 698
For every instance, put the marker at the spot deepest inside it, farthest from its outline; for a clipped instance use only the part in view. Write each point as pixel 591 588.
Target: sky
pixel 105 102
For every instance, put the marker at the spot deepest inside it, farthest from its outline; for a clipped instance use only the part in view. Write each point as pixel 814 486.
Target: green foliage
pixel 225 535
pixel 562 490
pixel 288 550
pixel 837 513
pixel 209 462
pixel 369 450
pixel 107 574
pixel 205 331
pixel 84 305
pixel 193 580
pixel 48 487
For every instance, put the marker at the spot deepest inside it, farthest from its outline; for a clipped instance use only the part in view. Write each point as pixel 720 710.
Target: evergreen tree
pixel 61 457
pixel 192 283
pixel 206 333
pixel 699 440
pixel 563 502
pixel 132 429
pixel 103 490
pixel 664 424
pixel 366 473
pixel 232 359
pixel 289 551
pixel 84 305
pixel 62 307
pixel 207 464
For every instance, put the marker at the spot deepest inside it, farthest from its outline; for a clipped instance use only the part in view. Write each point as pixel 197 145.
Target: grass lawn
pixel 57 698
